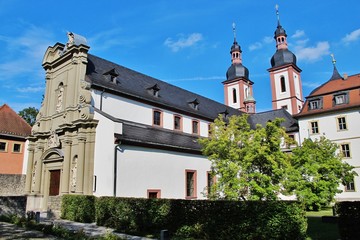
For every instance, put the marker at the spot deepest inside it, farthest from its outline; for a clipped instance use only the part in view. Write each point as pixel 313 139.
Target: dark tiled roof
pixel 136 85
pixel 11 124
pixel 326 91
pixel 149 136
pixel 144 135
pixel 290 124
pixel 282 57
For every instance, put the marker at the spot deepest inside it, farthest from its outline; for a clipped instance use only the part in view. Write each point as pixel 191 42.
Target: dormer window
pixel 315 104
pixel 225 114
pixel 340 98
pixel 154 90
pixel 112 75
pixel 194 104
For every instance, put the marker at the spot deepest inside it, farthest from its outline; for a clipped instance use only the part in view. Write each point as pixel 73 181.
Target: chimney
pixel 345 76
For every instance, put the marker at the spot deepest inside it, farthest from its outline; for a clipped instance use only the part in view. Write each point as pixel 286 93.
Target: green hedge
pixel 349 219
pixel 185 219
pixel 203 219
pixel 79 208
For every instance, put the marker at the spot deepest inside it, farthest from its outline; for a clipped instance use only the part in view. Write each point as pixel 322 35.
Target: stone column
pixel 80 166
pixel 38 168
pixel 29 169
pixel 65 177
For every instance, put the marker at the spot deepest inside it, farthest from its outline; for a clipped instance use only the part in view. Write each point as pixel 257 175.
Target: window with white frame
pixel 350 186
pixel 345 150
pixel 17 148
pixel 314 127
pixel 340 98
pixel 2 146
pixel 341 123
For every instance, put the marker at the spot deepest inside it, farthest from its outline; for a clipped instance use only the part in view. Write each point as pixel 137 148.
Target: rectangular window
pixel 345 149
pixel 195 127
pixel 154 193
pixel 340 99
pixel 210 182
pixel 190 177
pixel 315 104
pixel 157 118
pixel 341 123
pixel 314 127
pixel 2 146
pixel 177 123
pixel 17 148
pixel 350 186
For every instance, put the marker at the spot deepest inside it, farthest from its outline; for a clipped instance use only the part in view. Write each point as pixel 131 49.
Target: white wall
pixel 104 156
pixel 328 128
pixel 134 111
pixel 140 169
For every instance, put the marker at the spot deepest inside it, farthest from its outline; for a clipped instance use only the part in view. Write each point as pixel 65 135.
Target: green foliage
pixel 317 172
pixel 29 115
pixel 248 163
pixel 203 219
pixel 79 208
pixel 132 215
pixel 349 219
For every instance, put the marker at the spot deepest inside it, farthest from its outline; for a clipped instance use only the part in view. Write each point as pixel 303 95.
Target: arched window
pixel 234 95
pixel 282 83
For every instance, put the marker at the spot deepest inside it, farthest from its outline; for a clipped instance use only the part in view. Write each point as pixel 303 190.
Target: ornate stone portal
pixel 62 140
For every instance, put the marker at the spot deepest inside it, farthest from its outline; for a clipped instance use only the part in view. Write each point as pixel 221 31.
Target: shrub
pixel 204 219
pixel 79 208
pixel 349 219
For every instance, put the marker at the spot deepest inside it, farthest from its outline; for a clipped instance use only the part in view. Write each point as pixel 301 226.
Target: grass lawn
pixel 319 230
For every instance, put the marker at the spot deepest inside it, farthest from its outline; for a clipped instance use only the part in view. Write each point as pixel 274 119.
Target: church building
pixel 107 130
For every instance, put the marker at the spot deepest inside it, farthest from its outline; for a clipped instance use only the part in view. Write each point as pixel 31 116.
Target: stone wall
pixel 12 185
pixel 13 205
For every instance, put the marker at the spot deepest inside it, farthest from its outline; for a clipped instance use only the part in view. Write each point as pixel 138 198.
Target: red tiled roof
pixel 327 90
pixel 12 124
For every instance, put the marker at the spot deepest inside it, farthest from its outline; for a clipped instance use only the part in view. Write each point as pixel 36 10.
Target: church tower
pixel 237 86
pixel 285 75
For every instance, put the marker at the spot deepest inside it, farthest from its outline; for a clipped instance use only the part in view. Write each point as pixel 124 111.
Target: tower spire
pixel 234 31
pixel 336 74
pixel 277 14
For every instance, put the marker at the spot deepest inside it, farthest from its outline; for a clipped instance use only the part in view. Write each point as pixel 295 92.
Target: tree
pixel 248 163
pixel 29 115
pixel 318 171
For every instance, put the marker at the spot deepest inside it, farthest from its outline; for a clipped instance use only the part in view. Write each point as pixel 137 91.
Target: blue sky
pixel 185 43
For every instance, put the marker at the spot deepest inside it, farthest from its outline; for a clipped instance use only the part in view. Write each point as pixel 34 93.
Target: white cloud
pixel 257 45
pixel 30 89
pixel 352 37
pixel 183 42
pixel 24 53
pixel 314 53
pixel 298 34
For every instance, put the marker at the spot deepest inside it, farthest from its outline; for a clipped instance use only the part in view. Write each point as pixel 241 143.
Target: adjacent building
pixel 333 110
pixel 13 133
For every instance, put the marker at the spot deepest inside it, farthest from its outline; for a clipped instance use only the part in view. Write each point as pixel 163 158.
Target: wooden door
pixel 54 182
